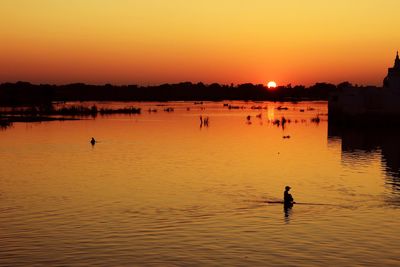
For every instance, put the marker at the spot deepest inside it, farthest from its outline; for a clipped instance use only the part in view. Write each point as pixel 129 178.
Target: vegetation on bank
pixel 75 110
pixel 40 113
pixel 7 121
pixel 4 122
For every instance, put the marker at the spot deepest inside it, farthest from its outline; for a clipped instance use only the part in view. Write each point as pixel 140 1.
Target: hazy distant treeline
pixel 22 93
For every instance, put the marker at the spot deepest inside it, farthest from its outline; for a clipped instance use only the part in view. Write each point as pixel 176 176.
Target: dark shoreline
pixel 43 113
pixel 25 93
pixel 7 121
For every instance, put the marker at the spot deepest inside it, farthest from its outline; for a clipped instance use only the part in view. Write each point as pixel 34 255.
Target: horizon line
pixel 182 82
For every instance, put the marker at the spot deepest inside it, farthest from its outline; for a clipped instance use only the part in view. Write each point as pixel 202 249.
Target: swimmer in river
pixel 93 141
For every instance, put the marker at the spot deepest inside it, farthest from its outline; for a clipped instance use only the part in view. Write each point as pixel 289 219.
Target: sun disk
pixel 271 84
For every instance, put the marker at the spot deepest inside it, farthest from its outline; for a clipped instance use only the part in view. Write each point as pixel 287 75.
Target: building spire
pixel 397 61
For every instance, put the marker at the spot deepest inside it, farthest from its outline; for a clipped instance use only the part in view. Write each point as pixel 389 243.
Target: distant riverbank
pixel 25 93
pixel 52 112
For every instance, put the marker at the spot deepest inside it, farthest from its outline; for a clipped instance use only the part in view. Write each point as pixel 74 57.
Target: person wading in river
pixel 287 198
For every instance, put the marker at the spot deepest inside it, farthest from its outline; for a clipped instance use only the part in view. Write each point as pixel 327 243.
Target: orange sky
pixel 157 41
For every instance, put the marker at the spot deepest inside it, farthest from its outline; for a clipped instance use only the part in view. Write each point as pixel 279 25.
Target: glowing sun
pixel 271 84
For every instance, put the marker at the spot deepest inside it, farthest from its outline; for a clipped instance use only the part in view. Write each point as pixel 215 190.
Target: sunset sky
pixel 227 41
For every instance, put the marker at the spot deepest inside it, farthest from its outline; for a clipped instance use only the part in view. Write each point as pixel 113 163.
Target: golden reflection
pixel 271 112
pixel 156 186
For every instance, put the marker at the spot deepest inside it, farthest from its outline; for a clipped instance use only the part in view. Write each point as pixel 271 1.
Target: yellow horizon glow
pixel 226 41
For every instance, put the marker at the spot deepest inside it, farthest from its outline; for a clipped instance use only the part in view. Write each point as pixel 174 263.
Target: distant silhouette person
pixel 93 141
pixel 283 121
pixel 206 120
pixel 288 200
pixel 201 121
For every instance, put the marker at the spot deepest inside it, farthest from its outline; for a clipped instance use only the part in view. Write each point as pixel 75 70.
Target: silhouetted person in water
pixel 287 210
pixel 287 198
pixel 206 120
pixel 93 141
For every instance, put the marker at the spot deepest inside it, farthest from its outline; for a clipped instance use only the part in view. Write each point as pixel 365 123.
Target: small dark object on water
pixel 256 107
pixel 93 141
pixel 233 107
pixel 286 136
pixel 316 120
pixel 282 108
pixel 276 122
pixel 169 109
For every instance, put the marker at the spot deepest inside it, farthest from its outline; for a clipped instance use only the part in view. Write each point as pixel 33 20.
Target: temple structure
pixel 370 103
pixel 392 80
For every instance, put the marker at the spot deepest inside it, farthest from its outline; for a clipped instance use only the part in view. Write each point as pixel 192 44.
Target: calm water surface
pixel 159 190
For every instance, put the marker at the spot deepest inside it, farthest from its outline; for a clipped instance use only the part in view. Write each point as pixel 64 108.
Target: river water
pixel 158 189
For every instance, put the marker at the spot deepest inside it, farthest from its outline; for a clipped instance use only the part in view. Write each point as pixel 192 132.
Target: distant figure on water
pixel 206 120
pixel 93 141
pixel 287 197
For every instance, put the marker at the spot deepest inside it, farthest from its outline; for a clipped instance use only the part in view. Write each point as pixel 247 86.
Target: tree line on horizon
pixel 25 93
